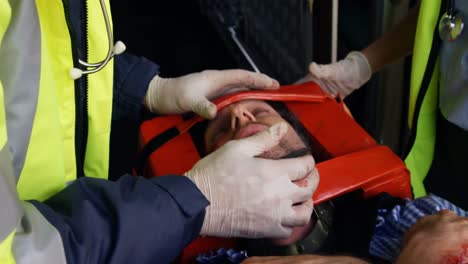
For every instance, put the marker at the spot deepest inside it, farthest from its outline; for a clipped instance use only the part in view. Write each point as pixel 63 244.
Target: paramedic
pixel 54 131
pixel 438 97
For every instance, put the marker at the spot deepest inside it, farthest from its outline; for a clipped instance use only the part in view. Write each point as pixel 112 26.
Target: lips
pixel 249 130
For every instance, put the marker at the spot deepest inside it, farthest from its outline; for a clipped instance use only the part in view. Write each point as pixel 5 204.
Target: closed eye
pixel 223 129
pixel 259 111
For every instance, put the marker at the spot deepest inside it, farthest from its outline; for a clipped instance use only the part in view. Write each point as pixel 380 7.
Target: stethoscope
pixel 451 24
pixel 450 28
pixel 114 49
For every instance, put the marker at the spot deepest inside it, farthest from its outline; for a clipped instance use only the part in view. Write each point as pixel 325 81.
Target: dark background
pixel 179 37
pixel 282 36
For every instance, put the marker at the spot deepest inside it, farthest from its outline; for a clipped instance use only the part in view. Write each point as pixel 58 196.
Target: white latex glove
pixel 254 197
pixel 192 92
pixel 343 77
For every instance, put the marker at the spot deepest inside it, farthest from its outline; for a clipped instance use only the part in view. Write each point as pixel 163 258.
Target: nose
pixel 240 116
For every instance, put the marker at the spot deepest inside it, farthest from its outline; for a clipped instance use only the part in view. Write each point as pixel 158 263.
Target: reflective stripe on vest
pixel 6 255
pixel 37 89
pixel 420 156
pixel 5 14
pixel 50 158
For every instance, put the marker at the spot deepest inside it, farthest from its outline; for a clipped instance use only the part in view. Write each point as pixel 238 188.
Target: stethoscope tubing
pixel 112 50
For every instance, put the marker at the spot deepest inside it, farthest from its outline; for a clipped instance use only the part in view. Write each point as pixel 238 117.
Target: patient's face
pixel 246 118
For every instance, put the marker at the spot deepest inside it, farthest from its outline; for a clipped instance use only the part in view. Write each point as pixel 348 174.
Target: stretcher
pixel 355 161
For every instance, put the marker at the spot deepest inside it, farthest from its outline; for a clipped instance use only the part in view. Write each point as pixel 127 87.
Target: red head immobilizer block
pixel 357 163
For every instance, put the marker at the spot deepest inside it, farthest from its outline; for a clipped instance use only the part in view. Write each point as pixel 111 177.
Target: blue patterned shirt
pixel 392 224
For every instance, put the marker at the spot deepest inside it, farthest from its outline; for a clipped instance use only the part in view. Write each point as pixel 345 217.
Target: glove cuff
pixel 153 96
pixel 203 186
pixel 365 69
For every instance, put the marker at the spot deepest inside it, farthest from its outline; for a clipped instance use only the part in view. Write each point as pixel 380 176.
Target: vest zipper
pixel 79 50
pixel 84 95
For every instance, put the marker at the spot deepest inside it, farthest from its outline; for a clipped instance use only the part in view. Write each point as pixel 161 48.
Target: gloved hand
pixel 254 197
pixel 192 92
pixel 343 77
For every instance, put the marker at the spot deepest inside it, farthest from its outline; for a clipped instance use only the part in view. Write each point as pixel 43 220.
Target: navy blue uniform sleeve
pixel 132 220
pixel 132 76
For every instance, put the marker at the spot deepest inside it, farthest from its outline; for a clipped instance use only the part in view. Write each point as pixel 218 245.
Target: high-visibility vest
pixel 423 112
pixel 49 159
pixel 38 104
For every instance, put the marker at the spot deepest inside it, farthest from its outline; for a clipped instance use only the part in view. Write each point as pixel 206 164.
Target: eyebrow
pixel 296 153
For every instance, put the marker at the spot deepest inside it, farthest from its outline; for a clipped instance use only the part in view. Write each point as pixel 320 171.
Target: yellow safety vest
pixel 420 156
pixel 50 158
pixel 50 161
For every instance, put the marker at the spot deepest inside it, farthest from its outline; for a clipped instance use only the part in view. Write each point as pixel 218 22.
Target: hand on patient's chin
pixel 298 233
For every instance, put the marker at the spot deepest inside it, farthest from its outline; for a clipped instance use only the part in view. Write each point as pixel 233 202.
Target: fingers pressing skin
pixel 205 108
pixel 265 140
pixel 309 185
pixel 298 233
pixel 192 92
pixel 297 168
pixel 300 214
